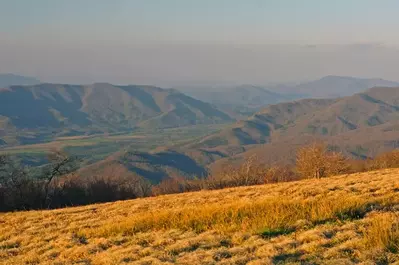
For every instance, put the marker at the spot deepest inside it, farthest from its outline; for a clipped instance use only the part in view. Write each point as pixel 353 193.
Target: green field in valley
pixel 93 148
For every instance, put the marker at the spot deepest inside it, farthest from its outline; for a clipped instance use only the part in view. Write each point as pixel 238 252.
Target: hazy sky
pixel 167 42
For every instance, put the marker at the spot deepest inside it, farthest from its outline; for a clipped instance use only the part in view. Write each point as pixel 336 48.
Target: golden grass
pixel 383 232
pixel 342 220
pixel 270 214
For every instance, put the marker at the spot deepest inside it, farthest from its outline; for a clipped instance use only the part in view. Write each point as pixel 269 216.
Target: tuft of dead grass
pixel 382 232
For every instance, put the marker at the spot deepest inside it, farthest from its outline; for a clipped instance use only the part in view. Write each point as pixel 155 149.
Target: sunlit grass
pixel 272 214
pixel 383 232
pixel 344 220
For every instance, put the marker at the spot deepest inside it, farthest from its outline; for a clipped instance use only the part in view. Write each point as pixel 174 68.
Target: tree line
pixel 313 161
pixel 59 184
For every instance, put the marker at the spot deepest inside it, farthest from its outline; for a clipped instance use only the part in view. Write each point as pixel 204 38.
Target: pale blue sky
pixel 243 21
pixel 156 41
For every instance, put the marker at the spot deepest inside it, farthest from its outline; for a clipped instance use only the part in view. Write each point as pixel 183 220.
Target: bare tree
pixel 60 164
pixel 144 187
pixel 251 172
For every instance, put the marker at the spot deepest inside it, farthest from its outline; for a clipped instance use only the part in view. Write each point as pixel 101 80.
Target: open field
pixel 348 219
pixel 103 145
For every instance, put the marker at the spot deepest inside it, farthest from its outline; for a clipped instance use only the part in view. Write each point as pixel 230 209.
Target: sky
pixel 181 42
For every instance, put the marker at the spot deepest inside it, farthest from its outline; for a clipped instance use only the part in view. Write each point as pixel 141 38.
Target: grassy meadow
pixel 103 145
pixel 348 219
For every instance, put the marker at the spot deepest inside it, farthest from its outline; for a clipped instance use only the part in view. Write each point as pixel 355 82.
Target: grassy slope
pixel 339 220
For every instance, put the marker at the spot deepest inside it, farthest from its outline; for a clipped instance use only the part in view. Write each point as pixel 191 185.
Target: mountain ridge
pixel 102 107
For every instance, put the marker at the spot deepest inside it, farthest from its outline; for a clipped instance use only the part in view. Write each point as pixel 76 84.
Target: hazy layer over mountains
pixel 247 99
pixel 338 86
pixel 13 80
pixel 183 64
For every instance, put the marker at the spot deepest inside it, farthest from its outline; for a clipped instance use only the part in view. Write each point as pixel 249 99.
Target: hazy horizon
pixel 185 42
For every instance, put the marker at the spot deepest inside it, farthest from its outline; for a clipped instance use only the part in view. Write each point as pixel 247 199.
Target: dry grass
pixel 340 220
pixel 383 232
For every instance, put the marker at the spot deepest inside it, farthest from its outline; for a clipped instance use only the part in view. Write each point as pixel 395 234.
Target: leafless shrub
pixel 278 173
pixel 169 185
pixel 315 161
pixel 385 160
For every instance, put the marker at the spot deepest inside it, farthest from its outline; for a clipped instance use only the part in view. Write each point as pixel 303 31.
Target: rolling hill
pixel 322 117
pixel 349 219
pixel 41 111
pixel 360 126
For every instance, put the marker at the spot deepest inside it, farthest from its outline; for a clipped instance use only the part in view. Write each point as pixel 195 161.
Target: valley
pixel 162 133
pixel 93 148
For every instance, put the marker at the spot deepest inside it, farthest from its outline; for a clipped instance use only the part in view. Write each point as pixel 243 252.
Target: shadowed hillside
pixel 258 128
pixel 317 117
pixel 162 165
pixel 361 126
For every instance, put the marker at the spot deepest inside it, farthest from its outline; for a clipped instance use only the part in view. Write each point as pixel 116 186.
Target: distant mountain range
pixel 323 117
pixel 12 80
pixel 245 100
pixel 241 100
pixel 66 110
pixel 271 125
pixel 335 86
pixel 361 125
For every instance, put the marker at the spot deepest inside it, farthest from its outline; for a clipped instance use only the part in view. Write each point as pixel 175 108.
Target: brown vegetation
pixel 345 219
pixel 251 172
pixel 54 188
pixel 315 161
pixel 56 185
